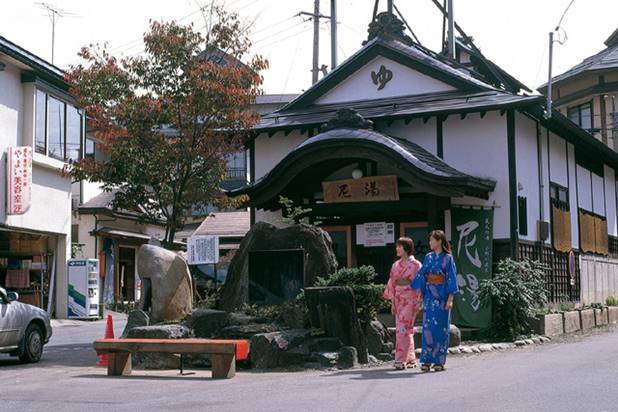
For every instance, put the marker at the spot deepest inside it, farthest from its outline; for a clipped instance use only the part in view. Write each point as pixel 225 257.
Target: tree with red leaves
pixel 168 120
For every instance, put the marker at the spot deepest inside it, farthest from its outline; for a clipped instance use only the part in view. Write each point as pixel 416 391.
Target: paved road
pixel 578 375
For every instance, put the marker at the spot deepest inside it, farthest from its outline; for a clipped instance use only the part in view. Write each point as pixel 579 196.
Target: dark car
pixel 24 329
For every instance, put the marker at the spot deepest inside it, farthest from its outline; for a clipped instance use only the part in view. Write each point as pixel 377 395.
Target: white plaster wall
pixel 405 81
pixel 558 160
pixel 584 188
pixel 598 194
pixel 573 197
pixel 610 200
pixel 462 140
pixel 417 131
pixel 89 190
pixel 270 150
pixel 528 171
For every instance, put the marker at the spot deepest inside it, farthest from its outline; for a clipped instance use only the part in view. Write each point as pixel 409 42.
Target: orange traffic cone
pixel 109 334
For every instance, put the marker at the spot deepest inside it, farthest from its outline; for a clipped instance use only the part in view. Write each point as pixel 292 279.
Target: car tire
pixel 32 345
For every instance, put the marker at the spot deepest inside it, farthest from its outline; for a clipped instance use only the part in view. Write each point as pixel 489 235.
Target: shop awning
pixel 418 167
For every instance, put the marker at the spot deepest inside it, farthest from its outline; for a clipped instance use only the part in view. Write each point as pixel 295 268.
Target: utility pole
pixel 389 6
pixel 549 88
pixel 451 31
pixel 333 34
pixel 316 41
pixel 316 16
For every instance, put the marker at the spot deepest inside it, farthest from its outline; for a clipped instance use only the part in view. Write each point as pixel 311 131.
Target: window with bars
pixel 559 196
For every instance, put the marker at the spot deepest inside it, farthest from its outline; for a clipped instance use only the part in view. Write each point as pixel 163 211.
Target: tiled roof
pixel 400 106
pixel 225 224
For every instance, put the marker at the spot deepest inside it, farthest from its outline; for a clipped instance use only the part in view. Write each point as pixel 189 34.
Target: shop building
pixel 399 140
pixel 41 130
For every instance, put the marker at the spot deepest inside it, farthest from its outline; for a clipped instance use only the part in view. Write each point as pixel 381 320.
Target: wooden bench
pixel 224 353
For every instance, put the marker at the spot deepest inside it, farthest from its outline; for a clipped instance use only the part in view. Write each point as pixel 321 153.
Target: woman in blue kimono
pixel 437 282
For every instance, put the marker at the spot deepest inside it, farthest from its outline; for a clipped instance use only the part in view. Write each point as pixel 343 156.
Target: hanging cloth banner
pixel 472 232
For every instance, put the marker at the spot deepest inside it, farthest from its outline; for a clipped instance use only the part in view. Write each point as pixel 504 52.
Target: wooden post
pixel 223 366
pixel 119 364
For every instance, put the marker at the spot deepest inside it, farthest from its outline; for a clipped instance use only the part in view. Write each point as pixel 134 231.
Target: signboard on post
pixel 472 249
pixel 19 180
pixel 203 250
pixel 365 189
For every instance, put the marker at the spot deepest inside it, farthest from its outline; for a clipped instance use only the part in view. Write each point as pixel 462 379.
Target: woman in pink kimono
pixel 404 301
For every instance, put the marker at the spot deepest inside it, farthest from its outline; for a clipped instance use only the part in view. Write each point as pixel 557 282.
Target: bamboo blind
pixel 561 229
pixel 587 232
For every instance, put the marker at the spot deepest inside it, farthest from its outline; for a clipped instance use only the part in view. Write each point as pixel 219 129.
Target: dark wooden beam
pixel 287 132
pixel 483 113
pixel 512 164
pixel 502 111
pixel 440 137
pixel 463 115
pixel 272 133
pixel 426 119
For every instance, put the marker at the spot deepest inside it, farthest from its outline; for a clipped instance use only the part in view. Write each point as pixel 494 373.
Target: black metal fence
pixel 557 278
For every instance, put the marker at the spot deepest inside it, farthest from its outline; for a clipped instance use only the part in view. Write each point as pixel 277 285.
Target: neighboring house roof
pixel 281 98
pixel 225 224
pixel 41 67
pixel 397 107
pixel 606 59
pixel 102 204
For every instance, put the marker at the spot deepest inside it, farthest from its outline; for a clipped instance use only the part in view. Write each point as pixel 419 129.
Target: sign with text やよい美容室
pixel 19 180
pixel 365 189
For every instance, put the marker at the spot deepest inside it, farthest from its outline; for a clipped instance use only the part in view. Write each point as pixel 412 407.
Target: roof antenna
pixel 54 14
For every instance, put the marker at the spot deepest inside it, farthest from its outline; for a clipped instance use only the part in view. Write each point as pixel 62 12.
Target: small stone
pixel 545 339
pixel 497 346
pixel 537 340
pixel 520 343
pixel 325 359
pixel 466 349
pixel 385 357
pixel 373 359
pixel 528 341
pixel 486 348
pixel 476 349
pixel 454 351
pixel 348 357
pixel 135 319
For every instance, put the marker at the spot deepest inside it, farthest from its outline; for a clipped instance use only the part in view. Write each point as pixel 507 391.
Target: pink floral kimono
pixel 406 302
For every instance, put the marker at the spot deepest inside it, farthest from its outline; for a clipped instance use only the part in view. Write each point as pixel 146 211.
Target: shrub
pixel 611 301
pixel 516 291
pixel 368 295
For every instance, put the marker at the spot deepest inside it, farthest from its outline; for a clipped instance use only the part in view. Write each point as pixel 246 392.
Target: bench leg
pixel 119 364
pixel 223 366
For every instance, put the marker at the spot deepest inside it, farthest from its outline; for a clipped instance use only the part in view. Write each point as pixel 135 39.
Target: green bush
pixel 611 301
pixel 368 295
pixel 517 291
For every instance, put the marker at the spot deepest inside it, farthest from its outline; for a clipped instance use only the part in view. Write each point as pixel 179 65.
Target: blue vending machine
pixel 83 288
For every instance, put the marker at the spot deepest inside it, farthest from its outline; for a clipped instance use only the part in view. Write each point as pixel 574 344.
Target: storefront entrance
pixel 373 243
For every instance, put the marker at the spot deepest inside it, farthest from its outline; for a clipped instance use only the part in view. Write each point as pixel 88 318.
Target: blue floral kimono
pixel 436 320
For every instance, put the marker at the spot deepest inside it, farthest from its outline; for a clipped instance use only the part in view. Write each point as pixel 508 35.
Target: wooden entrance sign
pixel 365 189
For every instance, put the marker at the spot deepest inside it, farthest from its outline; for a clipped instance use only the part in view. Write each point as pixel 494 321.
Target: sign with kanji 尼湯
pixel 365 189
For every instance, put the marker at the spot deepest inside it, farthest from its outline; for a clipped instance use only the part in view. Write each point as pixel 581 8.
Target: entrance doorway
pixel 126 273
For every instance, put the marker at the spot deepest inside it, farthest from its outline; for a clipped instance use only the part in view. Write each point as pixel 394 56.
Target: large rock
pixel 158 360
pixel 279 349
pixel 348 357
pixel 206 323
pixel 333 309
pixel 316 243
pixel 166 284
pixel 245 331
pixel 136 318
pixel 376 335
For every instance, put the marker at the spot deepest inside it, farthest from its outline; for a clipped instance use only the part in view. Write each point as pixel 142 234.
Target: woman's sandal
pixel 425 367
pixel 439 368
